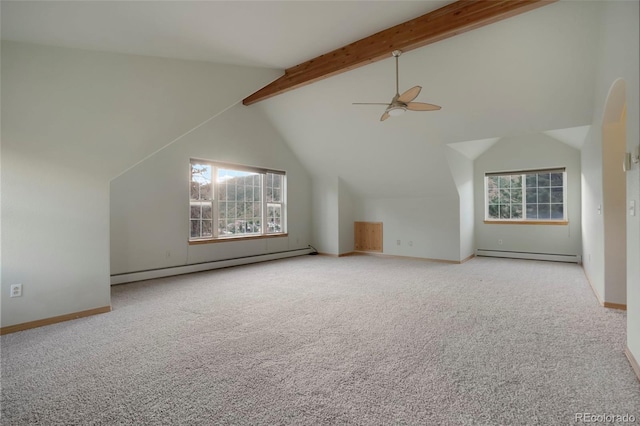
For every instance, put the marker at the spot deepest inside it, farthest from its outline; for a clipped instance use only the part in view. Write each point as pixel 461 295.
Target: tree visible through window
pixel 232 201
pixel 538 195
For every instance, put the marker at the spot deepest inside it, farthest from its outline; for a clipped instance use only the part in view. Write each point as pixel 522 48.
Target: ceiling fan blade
pixel 421 106
pixel 369 103
pixel 410 94
pixel 384 116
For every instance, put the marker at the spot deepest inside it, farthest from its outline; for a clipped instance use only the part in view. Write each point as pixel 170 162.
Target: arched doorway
pixel 614 141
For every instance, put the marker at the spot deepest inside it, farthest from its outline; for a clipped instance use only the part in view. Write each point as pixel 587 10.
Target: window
pixel 526 196
pixel 235 201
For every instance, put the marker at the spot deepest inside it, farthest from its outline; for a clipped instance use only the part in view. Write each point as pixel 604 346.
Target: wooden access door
pixel 368 236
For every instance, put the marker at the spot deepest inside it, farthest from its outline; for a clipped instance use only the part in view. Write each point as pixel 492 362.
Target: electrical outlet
pixel 168 254
pixel 16 290
pixel 410 243
pixel 500 242
pixel 398 242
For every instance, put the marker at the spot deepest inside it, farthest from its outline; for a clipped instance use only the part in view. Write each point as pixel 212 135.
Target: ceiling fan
pixel 400 103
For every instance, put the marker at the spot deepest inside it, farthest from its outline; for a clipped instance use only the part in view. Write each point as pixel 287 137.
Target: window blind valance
pixel 526 172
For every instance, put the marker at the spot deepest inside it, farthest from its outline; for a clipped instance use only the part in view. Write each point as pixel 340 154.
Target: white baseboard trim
pixel 632 361
pixel 570 258
pixel 206 266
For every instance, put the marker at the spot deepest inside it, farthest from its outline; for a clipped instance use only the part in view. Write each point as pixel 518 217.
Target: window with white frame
pixel 229 200
pixel 526 196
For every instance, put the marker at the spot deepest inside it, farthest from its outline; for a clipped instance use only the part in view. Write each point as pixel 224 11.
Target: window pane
pixel 206 211
pixel 277 180
pixel 494 196
pixel 505 196
pixel 494 211
pixel 532 181
pixel 274 188
pixel 516 181
pixel 544 179
pixel 492 182
pixel 557 211
pixel 516 196
pixel 544 212
pixel 232 211
pixel 206 228
pixel 273 218
pixel 240 191
pixel 195 228
pixel 206 192
pixel 200 187
pixel 505 212
pixel 516 211
pixel 556 195
pixel 195 211
pixel 195 191
pixel 532 211
pixel 532 195
pixel 543 195
pixel 504 181
pixel 556 179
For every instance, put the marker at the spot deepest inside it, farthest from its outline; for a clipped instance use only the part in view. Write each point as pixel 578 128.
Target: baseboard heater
pixel 570 258
pixel 205 266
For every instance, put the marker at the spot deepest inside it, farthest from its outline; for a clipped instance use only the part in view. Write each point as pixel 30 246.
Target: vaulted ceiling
pixel 530 73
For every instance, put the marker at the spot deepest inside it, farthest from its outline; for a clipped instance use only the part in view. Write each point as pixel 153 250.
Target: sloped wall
pixel 150 202
pixel 71 120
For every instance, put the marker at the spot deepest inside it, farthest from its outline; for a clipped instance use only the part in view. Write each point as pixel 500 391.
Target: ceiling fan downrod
pixel 396 54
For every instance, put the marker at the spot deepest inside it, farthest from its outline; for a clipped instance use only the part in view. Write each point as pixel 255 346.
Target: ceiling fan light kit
pixel 396 110
pixel 400 103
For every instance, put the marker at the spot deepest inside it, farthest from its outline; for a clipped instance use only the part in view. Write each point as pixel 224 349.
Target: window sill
pixel 240 238
pixel 526 222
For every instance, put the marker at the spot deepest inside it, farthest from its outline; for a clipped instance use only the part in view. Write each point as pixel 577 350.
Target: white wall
pixel 430 224
pixel 55 236
pixel 325 216
pixel 462 173
pixel 618 58
pixel 521 153
pixel 150 208
pixel 592 219
pixel 614 213
pixel 71 120
pixel 346 217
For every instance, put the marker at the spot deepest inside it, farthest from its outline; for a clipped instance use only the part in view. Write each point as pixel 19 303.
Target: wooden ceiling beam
pixel 448 21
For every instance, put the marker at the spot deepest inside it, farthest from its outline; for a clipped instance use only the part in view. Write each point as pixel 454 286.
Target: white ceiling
pixel 273 34
pixel 530 73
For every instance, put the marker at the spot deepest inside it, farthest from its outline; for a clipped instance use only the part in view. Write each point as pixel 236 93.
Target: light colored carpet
pixel 319 340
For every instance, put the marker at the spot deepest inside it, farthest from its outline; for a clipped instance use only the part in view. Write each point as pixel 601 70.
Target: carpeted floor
pixel 320 340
